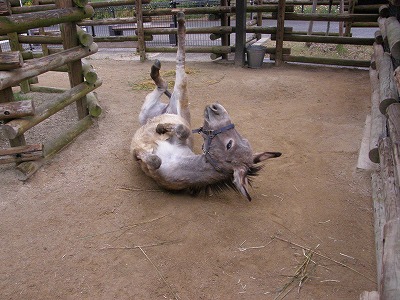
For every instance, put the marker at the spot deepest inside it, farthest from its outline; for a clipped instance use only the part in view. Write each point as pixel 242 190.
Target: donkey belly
pixel 147 141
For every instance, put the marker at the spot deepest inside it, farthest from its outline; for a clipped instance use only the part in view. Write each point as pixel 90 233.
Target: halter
pixel 210 134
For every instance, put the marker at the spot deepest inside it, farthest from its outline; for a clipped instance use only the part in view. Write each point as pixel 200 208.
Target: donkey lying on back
pixel 163 145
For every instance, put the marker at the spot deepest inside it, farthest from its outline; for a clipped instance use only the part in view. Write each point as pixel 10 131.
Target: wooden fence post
pixel 225 21
pixel 240 32
pixel 280 30
pixel 70 39
pixel 140 31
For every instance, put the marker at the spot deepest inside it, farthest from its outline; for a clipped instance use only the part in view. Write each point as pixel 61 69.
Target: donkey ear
pixel 259 157
pixel 241 182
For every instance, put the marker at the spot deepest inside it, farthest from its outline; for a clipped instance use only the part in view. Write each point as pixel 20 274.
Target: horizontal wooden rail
pixel 55 145
pixel 325 61
pixel 331 17
pixel 17 127
pixel 127 38
pixel 212 49
pixel 111 21
pixel 44 64
pixel 214 30
pixel 21 153
pixel 326 39
pixel 115 3
pixel 40 39
pixel 23 22
pixel 212 10
pixel 306 2
pixel 32 8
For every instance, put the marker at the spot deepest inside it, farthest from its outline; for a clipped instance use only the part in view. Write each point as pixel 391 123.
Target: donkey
pixel 163 146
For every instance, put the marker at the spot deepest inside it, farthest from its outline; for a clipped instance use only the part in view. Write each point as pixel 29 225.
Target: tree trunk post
pixel 140 30
pixel 280 30
pixel 225 21
pixel 240 32
pixel 70 40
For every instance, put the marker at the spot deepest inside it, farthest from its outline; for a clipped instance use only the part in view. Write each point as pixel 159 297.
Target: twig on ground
pixel 108 247
pixel 300 277
pixel 241 248
pixel 125 228
pixel 159 273
pixel 324 256
pixel 136 189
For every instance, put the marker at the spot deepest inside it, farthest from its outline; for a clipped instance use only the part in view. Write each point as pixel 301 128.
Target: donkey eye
pixel 229 145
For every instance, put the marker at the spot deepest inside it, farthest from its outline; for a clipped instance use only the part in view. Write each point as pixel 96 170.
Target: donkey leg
pixel 152 105
pixel 152 161
pixel 181 131
pixel 179 102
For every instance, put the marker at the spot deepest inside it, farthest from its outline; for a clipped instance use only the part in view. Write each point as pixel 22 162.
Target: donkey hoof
pixel 153 162
pixel 155 70
pixel 161 129
pixel 157 64
pixel 182 132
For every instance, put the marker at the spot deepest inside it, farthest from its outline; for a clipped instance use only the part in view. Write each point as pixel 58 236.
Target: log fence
pixel 18 67
pixel 140 29
pixel 385 152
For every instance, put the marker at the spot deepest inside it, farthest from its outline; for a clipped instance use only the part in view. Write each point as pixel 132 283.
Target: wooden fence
pixel 349 15
pixel 18 67
pixel 385 151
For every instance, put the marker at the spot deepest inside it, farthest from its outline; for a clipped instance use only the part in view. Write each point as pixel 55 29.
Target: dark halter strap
pixel 209 135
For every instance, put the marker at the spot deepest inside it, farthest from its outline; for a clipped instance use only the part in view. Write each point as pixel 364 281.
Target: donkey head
pixel 227 151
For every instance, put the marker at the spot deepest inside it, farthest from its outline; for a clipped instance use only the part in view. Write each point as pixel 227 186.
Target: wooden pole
pixel 16 109
pixel 326 39
pixel 43 64
pixel 225 22
pixel 310 25
pixel 23 22
pixel 393 123
pixel 280 30
pixel 52 147
pixel 69 34
pixel 21 153
pixel 93 104
pixel 10 60
pixel 392 26
pixel 240 37
pixel 141 46
pixel 16 127
pixel 388 87
pixel 391 260
pixel 378 120
pixel 16 46
pixel 89 73
pixel 380 220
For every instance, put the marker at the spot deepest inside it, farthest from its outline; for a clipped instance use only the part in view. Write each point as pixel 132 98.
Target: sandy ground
pixel 90 225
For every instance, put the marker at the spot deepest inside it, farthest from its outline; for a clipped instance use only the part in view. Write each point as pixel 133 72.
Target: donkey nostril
pixel 214 108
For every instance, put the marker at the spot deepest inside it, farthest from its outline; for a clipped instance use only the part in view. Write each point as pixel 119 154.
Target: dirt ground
pixel 90 225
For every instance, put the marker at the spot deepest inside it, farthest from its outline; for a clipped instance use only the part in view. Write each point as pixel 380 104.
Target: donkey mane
pixel 225 184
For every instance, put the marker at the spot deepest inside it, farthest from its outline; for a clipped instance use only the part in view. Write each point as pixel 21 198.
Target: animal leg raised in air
pixel 158 80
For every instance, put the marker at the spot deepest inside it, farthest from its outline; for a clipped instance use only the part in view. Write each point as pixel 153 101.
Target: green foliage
pixel 27 2
pixel 341 50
